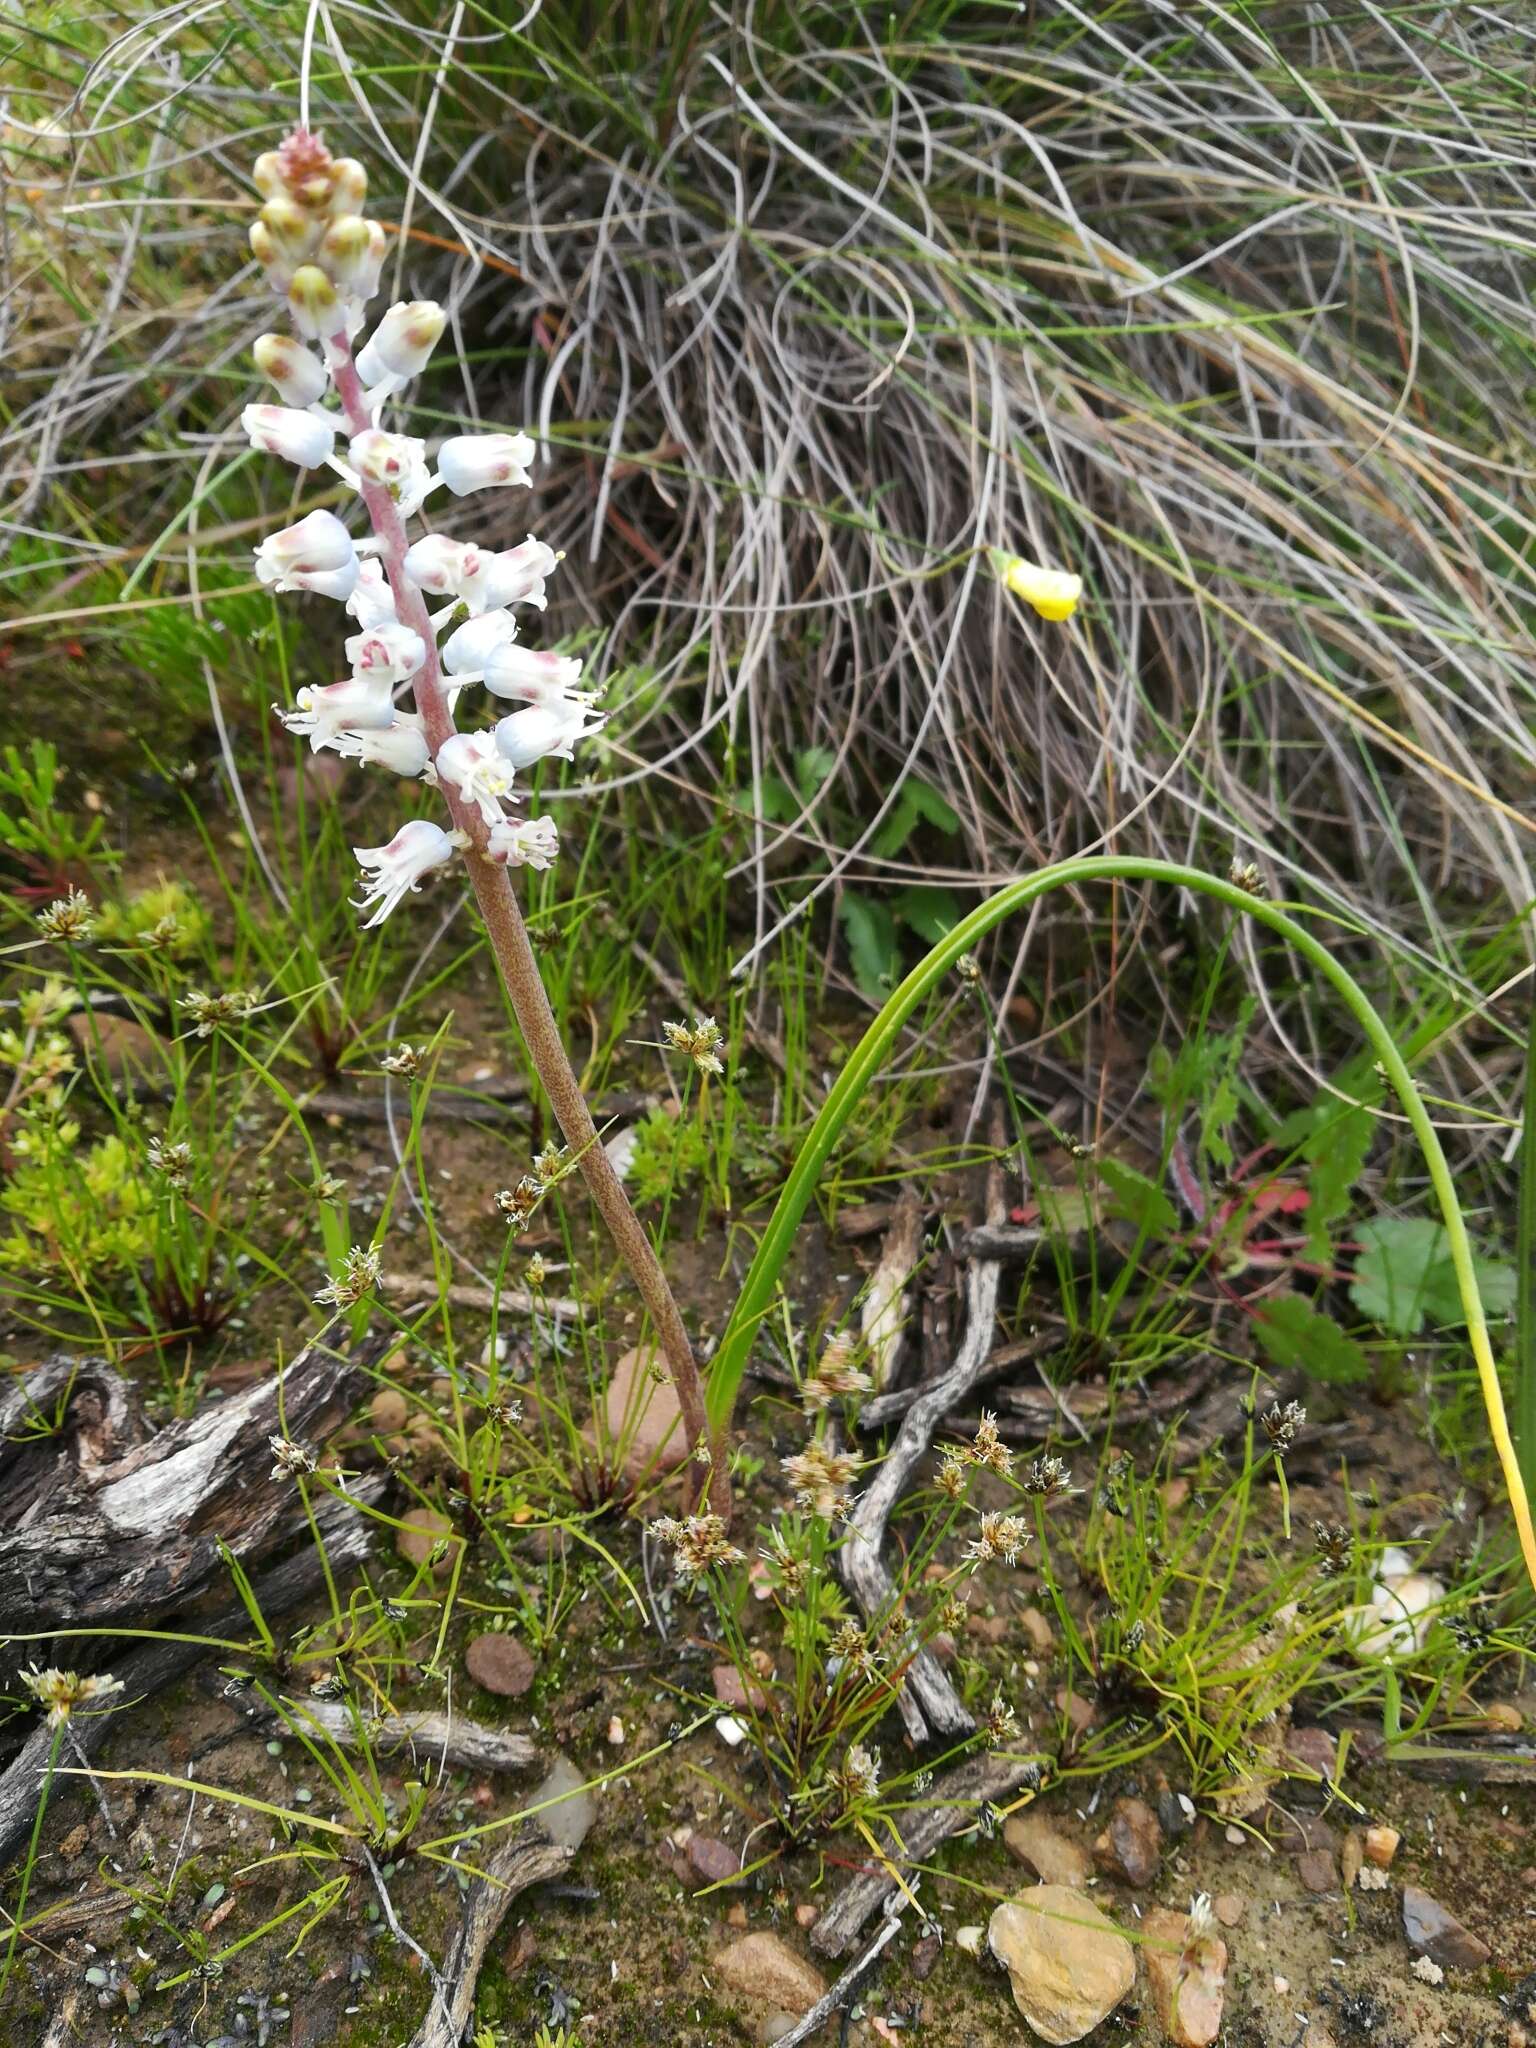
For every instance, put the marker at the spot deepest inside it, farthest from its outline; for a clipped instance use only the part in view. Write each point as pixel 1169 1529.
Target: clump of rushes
pixel 323 256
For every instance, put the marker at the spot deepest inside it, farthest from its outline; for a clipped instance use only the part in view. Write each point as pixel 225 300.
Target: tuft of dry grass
pixel 1228 311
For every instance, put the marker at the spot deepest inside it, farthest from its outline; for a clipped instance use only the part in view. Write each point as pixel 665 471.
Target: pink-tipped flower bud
pixel 532 675
pixel 475 462
pixel 402 343
pixel 352 251
pixel 316 554
pixel 313 303
pixel 299 437
pixel 542 731
pixel 442 566
pixel 372 602
pixel 402 748
pixel 514 576
pixel 299 378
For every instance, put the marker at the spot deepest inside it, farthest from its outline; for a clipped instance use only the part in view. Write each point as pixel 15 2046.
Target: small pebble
pixel 616 1732
pixel 730 1730
pixel 969 1940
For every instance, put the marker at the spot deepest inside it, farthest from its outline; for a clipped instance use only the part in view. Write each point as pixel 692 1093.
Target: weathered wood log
pixel 525 1858
pixel 143 1672
pixel 117 1525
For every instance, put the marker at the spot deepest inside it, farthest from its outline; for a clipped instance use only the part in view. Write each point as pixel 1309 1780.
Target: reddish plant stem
pixel 504 926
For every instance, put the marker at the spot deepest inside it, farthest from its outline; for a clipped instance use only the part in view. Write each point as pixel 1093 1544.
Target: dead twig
pixel 528 1857
pixel 956 1801
pixel 927 1702
pixel 446 1738
pixel 422 1287
pixel 848 1986
pixel 888 1298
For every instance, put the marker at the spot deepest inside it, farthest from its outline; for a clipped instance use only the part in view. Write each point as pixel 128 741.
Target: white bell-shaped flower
pixel 515 576
pixel 316 554
pixel 481 775
pixel 372 602
pixel 443 566
pixel 402 747
pixel 321 713
pixel 397 461
pixel 524 842
pixel 390 871
pixel 533 675
pixel 544 730
pixel 402 343
pixel 305 438
pixel 470 647
pixel 389 651
pixel 476 462
pixel 299 377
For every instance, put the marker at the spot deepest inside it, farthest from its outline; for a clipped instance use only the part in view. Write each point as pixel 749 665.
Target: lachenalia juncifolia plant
pixel 436 616
pixel 325 258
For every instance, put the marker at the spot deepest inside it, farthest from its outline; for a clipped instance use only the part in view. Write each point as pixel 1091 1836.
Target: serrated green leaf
pixel 1404 1277
pixel 1137 1199
pixel 1300 1337
pixel 930 910
pixel 1335 1152
pixel 813 770
pixel 776 801
pixel 873 946
pixel 928 802
pixel 900 822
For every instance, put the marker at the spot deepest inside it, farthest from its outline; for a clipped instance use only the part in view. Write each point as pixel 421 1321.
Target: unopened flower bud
pixel 402 343
pixel 349 187
pixel 372 602
pixel 475 462
pixel 299 378
pixel 352 251
pixel 514 576
pixel 267 175
pixel 443 566
pixel 316 554
pixel 312 302
pixel 290 229
pixel 543 731
pixel 298 437
pixel 401 747
pixel 531 675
